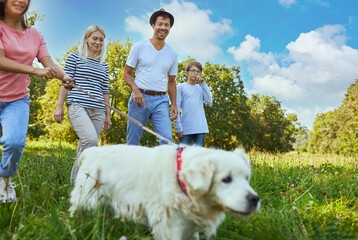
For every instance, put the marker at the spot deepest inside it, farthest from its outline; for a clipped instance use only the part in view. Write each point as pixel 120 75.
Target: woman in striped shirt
pixel 87 115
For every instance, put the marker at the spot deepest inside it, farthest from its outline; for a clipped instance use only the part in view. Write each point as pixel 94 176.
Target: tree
pixel 273 128
pixel 228 116
pixel 37 88
pixel 336 131
pixel 117 54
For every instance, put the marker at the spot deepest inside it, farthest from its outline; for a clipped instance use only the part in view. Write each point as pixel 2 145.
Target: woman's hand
pixel 67 81
pixel 59 114
pixel 107 123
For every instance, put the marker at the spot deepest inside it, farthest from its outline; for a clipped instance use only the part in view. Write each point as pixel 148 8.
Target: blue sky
pixel 303 52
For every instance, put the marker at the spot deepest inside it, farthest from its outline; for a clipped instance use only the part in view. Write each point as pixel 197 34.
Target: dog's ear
pixel 199 176
pixel 241 153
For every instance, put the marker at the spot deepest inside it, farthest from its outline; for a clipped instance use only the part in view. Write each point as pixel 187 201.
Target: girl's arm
pixel 9 65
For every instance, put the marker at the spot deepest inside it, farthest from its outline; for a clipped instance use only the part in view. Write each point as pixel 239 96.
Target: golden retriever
pixel 178 193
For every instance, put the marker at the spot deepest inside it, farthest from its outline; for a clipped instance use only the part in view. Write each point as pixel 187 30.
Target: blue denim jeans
pixel 195 139
pixel 14 120
pixel 156 110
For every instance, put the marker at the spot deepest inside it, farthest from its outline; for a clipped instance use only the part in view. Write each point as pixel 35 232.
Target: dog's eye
pixel 227 179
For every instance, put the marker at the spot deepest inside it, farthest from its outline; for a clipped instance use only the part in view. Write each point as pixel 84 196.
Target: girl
pixel 19 45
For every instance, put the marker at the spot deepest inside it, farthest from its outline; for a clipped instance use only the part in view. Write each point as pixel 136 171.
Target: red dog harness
pixel 181 184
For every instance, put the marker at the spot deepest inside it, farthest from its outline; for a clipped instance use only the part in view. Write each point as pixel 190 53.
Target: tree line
pixel 234 119
pixel 337 131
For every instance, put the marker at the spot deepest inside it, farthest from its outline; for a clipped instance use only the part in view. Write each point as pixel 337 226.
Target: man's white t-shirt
pixel 152 66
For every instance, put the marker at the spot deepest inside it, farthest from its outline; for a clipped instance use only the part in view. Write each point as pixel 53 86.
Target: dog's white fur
pixel 140 183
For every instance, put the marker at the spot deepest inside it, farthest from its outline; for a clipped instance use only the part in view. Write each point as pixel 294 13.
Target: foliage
pixel 117 53
pixel 37 89
pixel 336 131
pixel 274 130
pixel 228 117
pixel 303 196
pixel 34 18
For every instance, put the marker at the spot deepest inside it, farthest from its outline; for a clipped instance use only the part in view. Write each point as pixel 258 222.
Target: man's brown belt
pixel 153 93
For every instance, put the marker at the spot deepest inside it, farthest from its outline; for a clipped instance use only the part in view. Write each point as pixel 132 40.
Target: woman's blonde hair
pixel 83 49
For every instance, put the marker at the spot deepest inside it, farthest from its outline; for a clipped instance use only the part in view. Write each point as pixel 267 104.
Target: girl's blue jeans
pixel 14 121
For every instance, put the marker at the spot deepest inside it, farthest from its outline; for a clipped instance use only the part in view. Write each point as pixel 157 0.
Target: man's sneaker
pixel 7 191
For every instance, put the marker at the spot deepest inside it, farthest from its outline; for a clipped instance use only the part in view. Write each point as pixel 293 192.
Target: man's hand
pixel 138 98
pixel 173 112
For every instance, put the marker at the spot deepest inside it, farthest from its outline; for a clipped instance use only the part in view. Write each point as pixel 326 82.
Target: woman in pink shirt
pixel 19 45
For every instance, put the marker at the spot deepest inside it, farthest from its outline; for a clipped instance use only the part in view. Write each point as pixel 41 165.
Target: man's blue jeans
pixel 156 110
pixel 195 139
pixel 14 120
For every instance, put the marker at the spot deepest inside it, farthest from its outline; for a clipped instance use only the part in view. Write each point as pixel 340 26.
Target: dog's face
pixel 223 178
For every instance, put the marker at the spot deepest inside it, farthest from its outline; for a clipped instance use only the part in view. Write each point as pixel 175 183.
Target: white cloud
pixel 134 24
pixel 287 3
pixel 193 34
pixel 314 74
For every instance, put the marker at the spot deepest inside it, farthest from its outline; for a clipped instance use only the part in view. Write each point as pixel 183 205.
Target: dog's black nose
pixel 253 200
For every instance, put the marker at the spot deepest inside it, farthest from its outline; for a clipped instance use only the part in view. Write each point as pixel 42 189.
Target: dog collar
pixel 181 184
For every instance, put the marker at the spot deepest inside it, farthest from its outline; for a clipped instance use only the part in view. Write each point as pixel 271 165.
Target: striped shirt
pixel 91 76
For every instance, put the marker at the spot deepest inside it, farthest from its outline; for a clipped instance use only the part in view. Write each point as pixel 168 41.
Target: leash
pixel 181 183
pixel 160 137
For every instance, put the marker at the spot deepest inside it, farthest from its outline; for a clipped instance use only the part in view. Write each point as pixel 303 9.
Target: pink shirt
pixel 22 47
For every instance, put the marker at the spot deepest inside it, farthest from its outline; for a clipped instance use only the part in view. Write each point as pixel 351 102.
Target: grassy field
pixel 303 196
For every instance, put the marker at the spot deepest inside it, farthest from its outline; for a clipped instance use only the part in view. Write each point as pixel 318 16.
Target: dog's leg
pixel 86 193
pixel 195 236
pixel 166 224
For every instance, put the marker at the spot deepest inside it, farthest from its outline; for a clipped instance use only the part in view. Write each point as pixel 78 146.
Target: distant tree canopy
pixel 337 131
pixel 234 120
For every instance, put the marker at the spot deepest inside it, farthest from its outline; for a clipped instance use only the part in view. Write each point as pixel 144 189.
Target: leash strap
pixel 181 184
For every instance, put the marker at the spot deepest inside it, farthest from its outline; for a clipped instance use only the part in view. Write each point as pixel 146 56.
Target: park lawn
pixel 303 196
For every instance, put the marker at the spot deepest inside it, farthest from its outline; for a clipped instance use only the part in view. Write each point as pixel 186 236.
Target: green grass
pixel 303 196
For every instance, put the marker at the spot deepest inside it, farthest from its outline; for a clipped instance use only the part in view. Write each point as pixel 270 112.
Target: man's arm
pixel 137 95
pixel 172 91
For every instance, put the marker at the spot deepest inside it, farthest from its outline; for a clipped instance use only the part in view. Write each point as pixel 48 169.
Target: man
pixel 156 65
